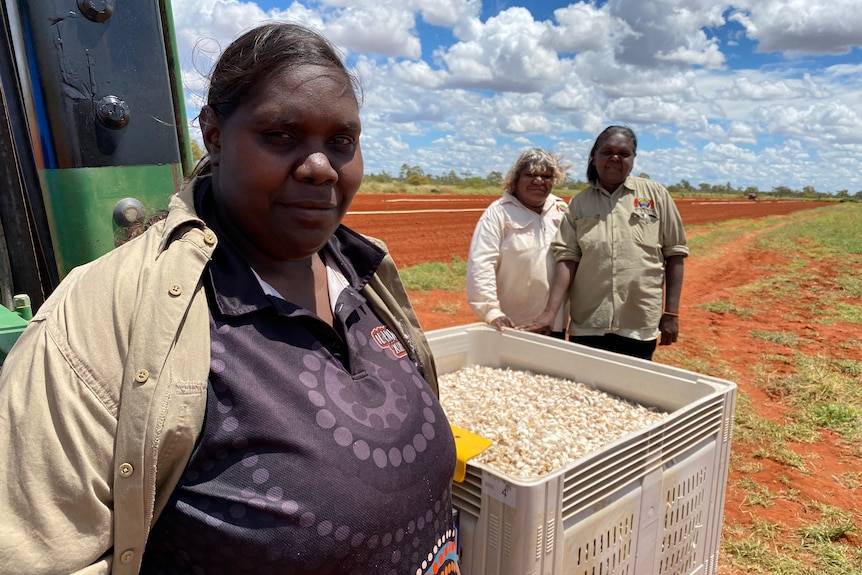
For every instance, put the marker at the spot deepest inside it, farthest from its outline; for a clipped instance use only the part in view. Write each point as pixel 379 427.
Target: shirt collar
pixel 626 185
pixel 512 199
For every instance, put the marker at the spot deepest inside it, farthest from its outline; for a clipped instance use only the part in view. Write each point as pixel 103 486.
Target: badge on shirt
pixel 644 204
pixel 645 210
pixel 384 337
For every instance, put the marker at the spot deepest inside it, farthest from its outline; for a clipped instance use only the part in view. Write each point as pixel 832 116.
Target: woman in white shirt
pixel 509 267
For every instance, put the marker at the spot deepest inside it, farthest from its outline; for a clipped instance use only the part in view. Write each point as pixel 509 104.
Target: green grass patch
pixel 849 480
pixel 449 308
pixel 710 243
pixel 842 419
pixel 849 313
pixel 850 283
pixel 835 524
pixel 827 237
pixel 749 467
pixel 728 308
pixel 822 395
pixel 673 355
pixel 767 438
pixel 777 337
pixel 831 229
pixel 757 556
pixel 850 367
pixel 436 276
pixel 756 494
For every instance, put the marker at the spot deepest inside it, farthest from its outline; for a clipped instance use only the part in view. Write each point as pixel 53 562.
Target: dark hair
pixel 138 227
pixel 592 173
pixel 533 159
pixel 259 54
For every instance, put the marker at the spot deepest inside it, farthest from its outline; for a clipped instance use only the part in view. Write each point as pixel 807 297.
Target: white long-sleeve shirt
pixel 510 267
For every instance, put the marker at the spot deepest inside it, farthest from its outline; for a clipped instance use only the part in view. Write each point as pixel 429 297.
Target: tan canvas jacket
pixel 103 398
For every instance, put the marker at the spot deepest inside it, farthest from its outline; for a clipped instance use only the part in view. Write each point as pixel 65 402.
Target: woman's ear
pixel 211 132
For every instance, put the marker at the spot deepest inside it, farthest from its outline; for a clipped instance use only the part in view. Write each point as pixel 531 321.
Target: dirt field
pixel 434 228
pixel 444 227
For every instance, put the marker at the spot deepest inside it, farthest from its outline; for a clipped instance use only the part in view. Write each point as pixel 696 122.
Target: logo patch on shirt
pixel 190 387
pixel 384 338
pixel 644 204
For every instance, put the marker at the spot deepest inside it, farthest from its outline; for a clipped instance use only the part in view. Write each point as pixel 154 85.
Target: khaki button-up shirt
pixel 620 241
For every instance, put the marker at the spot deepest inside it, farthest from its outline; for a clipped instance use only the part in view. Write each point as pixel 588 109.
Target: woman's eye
pixel 343 142
pixel 278 137
pixel 607 154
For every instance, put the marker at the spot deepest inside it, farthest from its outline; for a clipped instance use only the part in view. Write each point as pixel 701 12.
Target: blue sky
pixel 759 93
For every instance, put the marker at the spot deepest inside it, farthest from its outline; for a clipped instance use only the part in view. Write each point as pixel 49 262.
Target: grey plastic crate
pixel 650 503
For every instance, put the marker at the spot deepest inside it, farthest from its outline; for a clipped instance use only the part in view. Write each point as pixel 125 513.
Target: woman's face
pixel 534 186
pixel 614 160
pixel 287 163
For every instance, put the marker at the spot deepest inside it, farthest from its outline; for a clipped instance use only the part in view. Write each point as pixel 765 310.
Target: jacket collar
pixel 181 213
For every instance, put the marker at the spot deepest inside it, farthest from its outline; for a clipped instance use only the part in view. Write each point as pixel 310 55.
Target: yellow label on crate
pixel 467 445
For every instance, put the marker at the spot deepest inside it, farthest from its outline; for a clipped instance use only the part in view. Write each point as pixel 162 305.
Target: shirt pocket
pixel 589 233
pixel 645 229
pixel 519 238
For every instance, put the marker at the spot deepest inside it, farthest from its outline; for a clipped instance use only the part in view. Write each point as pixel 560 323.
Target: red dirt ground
pixel 436 227
pixel 443 231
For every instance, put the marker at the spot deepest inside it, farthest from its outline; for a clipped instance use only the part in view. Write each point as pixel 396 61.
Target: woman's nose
pixel 316 168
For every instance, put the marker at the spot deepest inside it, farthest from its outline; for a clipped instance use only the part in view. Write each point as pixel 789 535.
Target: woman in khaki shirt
pixel 619 256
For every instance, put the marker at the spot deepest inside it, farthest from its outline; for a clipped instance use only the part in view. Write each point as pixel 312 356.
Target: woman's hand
pixel 501 322
pixel 543 324
pixel 669 328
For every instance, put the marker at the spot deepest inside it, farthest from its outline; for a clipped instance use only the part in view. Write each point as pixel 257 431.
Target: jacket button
pixel 175 290
pixel 142 375
pixel 127 556
pixel 209 238
pixel 126 470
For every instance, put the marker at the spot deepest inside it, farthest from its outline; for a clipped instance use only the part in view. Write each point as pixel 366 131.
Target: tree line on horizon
pixel 416 176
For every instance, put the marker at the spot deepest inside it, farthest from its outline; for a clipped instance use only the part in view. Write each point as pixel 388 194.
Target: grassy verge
pixel 435 276
pixel 815 394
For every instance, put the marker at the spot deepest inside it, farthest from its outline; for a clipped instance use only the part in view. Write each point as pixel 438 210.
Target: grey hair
pixel 533 159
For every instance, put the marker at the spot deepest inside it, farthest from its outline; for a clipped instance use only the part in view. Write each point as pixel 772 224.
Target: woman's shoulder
pixel 645 185
pixel 559 203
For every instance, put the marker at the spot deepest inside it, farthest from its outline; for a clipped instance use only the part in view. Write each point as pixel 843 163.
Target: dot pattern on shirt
pixel 255 499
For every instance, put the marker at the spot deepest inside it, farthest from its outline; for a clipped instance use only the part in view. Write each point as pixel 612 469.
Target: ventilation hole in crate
pixel 609 552
pixel 683 522
pixel 467 495
pixel 539 531
pixel 549 539
pixel 507 540
pixel 494 532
